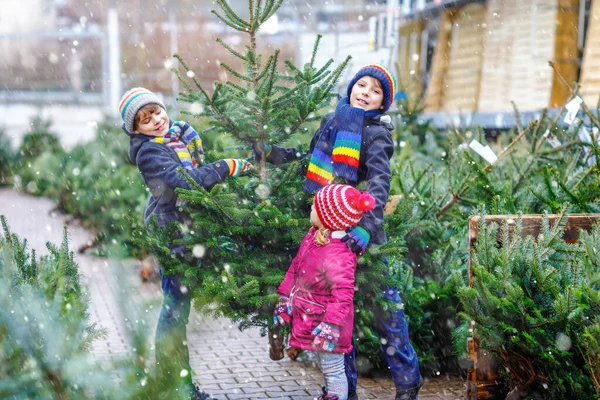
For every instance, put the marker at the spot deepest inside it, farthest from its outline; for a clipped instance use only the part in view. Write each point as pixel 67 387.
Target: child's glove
pixel 282 312
pixel 358 239
pixel 256 154
pixel 326 336
pixel 237 166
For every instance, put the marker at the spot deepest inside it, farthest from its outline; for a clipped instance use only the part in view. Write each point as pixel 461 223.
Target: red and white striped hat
pixel 341 206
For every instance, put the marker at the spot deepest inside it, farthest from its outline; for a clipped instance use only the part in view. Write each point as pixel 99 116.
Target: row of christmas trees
pixel 537 300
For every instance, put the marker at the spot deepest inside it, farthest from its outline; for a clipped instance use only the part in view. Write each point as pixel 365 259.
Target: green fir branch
pixel 235 73
pixel 270 9
pixel 231 50
pixel 204 192
pixel 230 19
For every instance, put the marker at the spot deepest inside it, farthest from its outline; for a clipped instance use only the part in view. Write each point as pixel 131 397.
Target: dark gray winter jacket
pixel 376 151
pixel 158 165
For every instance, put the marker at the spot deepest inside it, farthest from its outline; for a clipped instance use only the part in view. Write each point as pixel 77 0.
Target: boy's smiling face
pixel 152 120
pixel 367 94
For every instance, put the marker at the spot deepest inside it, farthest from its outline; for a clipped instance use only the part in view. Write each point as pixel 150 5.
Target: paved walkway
pixel 227 363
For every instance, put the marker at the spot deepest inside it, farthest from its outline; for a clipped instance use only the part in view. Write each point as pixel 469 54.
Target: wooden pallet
pixel 494 94
pixel 590 70
pixel 481 379
pixel 566 52
pixel 410 77
pixel 439 63
pixel 465 59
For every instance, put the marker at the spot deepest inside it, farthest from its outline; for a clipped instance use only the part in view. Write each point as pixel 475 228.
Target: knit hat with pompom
pixel 340 207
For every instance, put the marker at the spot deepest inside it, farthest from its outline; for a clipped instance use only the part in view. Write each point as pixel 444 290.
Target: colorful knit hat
pixel 385 77
pixel 132 101
pixel 341 206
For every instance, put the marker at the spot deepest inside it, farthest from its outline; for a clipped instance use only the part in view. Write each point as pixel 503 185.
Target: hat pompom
pixel 366 202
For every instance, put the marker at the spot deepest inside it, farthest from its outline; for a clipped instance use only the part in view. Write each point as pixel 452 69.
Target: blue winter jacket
pixel 158 165
pixel 376 151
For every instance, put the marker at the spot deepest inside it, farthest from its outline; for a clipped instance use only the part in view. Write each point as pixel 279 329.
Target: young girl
pixel 318 289
pixel 354 145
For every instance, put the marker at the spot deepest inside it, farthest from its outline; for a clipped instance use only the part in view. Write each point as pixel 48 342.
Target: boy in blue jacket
pixel 353 145
pixel 159 147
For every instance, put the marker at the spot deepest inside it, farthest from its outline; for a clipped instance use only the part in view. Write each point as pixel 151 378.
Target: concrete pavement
pixel 226 362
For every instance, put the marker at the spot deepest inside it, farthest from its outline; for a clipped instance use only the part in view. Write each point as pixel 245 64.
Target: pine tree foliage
pixel 8 159
pixel 526 306
pixel 260 104
pixel 446 181
pixel 94 182
pixel 45 334
pixel 243 234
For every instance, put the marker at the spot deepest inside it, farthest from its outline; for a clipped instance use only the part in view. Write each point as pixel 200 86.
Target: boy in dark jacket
pixel 353 145
pixel 158 147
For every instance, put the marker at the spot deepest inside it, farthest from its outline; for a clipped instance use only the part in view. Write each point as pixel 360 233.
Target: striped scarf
pixel 337 151
pixel 185 141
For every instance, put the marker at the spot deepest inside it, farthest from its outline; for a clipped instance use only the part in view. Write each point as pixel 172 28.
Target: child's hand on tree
pixel 326 336
pixel 357 239
pixel 237 166
pixel 282 313
pixel 257 155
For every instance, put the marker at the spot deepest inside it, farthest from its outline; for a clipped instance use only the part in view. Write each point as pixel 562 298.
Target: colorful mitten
pixel 326 336
pixel 256 154
pixel 238 167
pixel 358 239
pixel 282 312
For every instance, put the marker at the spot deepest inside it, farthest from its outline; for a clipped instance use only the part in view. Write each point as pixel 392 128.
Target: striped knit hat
pixel 341 206
pixel 385 77
pixel 131 103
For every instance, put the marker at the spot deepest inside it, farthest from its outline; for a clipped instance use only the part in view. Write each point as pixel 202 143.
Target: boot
pixel 352 395
pixel 410 393
pixel 198 394
pixel 326 396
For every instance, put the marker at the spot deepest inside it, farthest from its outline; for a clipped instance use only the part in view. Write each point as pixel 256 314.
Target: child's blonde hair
pixel 322 236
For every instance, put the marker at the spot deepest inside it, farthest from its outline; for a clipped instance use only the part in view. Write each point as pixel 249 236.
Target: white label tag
pixel 486 152
pixel 572 108
pixel 554 142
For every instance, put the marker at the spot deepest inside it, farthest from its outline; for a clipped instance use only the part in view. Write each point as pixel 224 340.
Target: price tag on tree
pixel 554 142
pixel 486 152
pixel 572 108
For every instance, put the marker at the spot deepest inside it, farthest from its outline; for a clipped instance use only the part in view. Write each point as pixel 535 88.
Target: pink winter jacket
pixel 320 284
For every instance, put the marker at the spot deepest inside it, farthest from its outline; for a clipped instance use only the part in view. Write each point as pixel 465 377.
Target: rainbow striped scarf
pixel 185 141
pixel 337 151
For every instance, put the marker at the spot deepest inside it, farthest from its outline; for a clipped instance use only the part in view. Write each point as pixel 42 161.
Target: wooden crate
pixel 590 70
pixel 481 379
pixel 465 58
